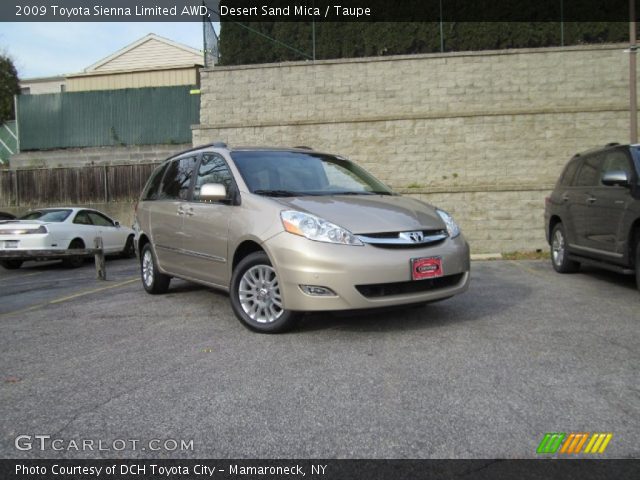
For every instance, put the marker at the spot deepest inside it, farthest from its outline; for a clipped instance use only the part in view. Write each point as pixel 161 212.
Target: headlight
pixel 452 226
pixel 314 228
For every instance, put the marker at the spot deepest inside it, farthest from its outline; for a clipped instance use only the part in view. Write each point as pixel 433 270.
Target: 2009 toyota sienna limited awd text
pixel 286 231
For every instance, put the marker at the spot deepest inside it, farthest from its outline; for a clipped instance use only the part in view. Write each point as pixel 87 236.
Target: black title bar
pixel 582 469
pixel 247 11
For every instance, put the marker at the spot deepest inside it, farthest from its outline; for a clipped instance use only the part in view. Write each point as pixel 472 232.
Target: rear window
pixel 47 215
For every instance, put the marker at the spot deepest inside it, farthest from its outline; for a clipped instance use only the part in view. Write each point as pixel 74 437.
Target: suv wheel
pixel 153 280
pixel 255 296
pixel 559 254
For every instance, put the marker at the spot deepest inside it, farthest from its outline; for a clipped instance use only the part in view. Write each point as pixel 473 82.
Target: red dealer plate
pixel 426 267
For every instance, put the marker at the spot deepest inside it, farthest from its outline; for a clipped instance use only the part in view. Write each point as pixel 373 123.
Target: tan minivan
pixel 286 231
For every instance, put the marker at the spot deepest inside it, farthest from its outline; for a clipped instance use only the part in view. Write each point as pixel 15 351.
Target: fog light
pixel 317 291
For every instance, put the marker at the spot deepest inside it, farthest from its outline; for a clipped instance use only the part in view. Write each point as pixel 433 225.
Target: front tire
pixel 559 254
pixel 255 296
pixel 153 280
pixel 11 264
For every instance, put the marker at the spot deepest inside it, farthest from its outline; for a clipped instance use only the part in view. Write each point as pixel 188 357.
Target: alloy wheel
pixel 259 294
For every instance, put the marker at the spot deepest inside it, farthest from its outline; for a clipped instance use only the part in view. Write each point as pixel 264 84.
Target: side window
pixel 177 180
pixel 213 169
pixel 589 173
pixel 100 220
pixel 82 218
pixel 617 161
pixel 570 172
pixel 153 184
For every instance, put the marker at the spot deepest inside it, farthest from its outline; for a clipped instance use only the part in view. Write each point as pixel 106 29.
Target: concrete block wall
pixel 82 157
pixel 483 134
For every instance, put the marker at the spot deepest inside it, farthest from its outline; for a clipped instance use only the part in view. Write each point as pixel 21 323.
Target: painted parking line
pixel 527 269
pixel 20 276
pixel 70 297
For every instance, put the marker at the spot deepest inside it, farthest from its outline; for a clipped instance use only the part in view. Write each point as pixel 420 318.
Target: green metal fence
pixel 133 116
pixel 8 140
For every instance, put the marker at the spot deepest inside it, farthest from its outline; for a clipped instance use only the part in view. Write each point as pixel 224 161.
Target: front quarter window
pixel 177 180
pixel 213 169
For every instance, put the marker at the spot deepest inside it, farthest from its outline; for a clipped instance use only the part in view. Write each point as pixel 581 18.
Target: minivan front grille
pixel 376 290
pixel 408 239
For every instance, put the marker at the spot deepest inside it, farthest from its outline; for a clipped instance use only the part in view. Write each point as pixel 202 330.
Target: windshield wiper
pixel 278 193
pixel 364 192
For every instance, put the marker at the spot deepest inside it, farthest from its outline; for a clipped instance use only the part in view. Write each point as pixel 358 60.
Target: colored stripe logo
pixel 573 443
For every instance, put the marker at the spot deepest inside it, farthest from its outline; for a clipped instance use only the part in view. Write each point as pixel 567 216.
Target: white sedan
pixel 49 233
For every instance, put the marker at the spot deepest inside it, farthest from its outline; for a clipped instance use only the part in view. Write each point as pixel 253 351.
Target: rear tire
pixel 74 262
pixel 559 255
pixel 153 281
pixel 11 264
pixel 255 296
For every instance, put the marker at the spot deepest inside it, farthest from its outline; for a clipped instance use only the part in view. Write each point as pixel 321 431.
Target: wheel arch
pixel 553 221
pixel 142 241
pixel 245 248
pixel 634 238
pixel 79 239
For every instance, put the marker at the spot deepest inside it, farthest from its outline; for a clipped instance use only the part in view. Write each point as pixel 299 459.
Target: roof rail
pixel 199 147
pixel 303 147
pixel 612 144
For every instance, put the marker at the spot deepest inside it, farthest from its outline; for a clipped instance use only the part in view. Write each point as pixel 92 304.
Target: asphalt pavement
pixel 486 374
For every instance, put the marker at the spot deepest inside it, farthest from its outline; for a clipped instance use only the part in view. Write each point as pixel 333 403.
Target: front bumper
pixel 299 261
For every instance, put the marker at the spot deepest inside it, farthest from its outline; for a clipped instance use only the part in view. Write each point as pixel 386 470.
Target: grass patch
pixel 534 255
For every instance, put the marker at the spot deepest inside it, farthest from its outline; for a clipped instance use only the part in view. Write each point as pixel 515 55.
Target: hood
pixel 368 213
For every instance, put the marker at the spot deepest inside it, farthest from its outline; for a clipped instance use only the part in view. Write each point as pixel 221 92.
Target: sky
pixel 49 49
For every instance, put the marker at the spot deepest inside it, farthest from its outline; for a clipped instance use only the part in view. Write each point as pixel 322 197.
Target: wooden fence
pixel 73 185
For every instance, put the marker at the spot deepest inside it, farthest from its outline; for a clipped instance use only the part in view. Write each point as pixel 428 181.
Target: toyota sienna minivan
pixel 291 230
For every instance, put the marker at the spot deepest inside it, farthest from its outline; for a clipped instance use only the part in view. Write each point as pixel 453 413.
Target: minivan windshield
pixel 289 174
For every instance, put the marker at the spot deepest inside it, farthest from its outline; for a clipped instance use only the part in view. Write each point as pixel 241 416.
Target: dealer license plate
pixel 426 267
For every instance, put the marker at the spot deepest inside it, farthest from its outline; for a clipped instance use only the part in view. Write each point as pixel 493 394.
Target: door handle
pixel 591 200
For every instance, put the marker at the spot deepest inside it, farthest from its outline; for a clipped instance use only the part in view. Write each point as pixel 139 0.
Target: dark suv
pixel 593 215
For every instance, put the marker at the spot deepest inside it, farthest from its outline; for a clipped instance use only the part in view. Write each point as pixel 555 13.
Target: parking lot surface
pixel 486 374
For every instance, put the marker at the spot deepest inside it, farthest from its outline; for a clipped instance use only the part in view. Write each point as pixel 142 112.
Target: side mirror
pixel 615 177
pixel 213 192
pixel 117 224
